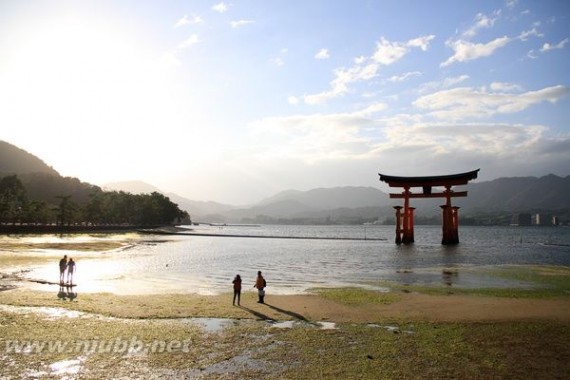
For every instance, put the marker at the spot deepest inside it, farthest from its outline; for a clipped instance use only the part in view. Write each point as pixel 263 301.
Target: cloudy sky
pixel 234 101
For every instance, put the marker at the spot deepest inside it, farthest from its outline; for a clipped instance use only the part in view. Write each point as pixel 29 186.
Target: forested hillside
pixel 33 193
pixel 14 160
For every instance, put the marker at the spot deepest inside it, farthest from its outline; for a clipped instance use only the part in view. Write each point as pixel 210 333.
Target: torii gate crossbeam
pixel 450 217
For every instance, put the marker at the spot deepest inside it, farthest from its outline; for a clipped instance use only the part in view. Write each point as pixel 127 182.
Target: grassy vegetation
pixel 356 296
pixel 546 282
pixel 450 351
pixel 251 349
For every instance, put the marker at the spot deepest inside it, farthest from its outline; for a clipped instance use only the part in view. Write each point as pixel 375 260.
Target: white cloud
pixel 277 61
pixel 481 22
pixel 322 54
pixel 186 20
pixel 528 33
pixel 421 42
pixel 445 83
pixel 404 76
pixel 388 52
pixel 190 41
pixel 293 100
pixel 371 109
pixel 401 142
pixel 548 47
pixel 359 60
pixel 364 69
pixel 467 103
pixel 317 137
pixel 511 3
pixel 183 21
pixel 467 51
pixel 238 23
pixel 505 87
pixel 476 139
pixel 339 85
pixel 532 54
pixel 220 7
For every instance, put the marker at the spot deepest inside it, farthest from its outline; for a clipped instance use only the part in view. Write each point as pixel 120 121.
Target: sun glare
pixel 82 80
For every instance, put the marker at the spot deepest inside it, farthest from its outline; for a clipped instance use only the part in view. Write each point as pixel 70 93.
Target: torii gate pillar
pixel 450 214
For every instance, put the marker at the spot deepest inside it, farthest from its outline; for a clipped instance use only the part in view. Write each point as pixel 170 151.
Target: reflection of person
pixel 70 270
pixel 237 289
pixel 260 284
pixel 61 294
pixel 62 267
pixel 71 294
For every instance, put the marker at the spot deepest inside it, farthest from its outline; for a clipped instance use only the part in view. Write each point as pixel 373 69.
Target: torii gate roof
pixel 442 180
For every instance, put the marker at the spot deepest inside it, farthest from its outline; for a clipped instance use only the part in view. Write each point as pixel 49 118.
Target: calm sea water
pixel 207 265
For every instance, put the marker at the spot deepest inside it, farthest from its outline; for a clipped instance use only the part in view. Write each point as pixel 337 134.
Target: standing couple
pixel 260 284
pixel 66 265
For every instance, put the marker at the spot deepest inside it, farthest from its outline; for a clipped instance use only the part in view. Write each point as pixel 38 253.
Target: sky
pixel 234 101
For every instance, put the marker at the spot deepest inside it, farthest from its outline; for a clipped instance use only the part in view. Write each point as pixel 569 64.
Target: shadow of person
pixel 71 294
pixel 257 314
pixel 290 313
pixel 62 294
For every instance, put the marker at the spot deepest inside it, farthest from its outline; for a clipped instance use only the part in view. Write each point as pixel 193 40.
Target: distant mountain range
pixel 366 204
pixel 348 204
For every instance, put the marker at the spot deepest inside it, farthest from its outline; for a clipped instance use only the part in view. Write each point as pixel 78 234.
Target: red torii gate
pixel 405 218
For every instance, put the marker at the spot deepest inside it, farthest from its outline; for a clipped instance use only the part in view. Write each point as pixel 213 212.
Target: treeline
pixel 46 199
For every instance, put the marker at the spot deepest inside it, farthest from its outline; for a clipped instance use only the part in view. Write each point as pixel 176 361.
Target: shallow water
pixel 207 265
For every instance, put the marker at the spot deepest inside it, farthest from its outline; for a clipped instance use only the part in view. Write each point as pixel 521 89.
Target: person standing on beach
pixel 62 268
pixel 70 270
pixel 237 289
pixel 260 284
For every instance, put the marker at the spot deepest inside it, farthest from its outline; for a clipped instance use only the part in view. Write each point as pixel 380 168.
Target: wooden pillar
pixel 411 224
pixel 450 221
pixel 455 220
pixel 408 234
pixel 445 224
pixel 398 224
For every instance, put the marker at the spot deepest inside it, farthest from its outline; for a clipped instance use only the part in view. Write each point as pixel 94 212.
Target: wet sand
pixel 310 307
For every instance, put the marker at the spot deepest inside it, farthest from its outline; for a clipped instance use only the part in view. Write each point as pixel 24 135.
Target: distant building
pixel 521 220
pixel 542 220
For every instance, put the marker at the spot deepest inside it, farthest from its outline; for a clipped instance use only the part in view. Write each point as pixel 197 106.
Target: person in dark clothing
pixel 62 268
pixel 237 289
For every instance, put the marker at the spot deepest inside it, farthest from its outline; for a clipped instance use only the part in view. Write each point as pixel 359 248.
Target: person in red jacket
pixel 260 284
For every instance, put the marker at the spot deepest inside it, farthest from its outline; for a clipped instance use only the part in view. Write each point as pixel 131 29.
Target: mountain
pixel 207 211
pixel 347 204
pixel 351 204
pixel 14 160
pixel 200 210
pixel 133 187
pixel 41 181
pixel 516 194
pixel 323 205
pixel 332 198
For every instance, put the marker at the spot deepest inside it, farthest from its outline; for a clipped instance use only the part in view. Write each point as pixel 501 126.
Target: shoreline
pixel 341 305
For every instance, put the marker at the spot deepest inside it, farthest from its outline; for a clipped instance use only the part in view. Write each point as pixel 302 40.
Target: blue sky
pixel 234 101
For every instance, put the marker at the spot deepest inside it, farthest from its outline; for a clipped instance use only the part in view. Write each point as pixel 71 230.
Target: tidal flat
pixel 384 330
pixel 332 333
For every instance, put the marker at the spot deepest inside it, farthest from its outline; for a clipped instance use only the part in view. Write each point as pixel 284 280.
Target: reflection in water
pixel 66 293
pixel 450 276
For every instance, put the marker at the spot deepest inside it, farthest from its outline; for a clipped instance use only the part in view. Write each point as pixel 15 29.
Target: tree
pixel 13 198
